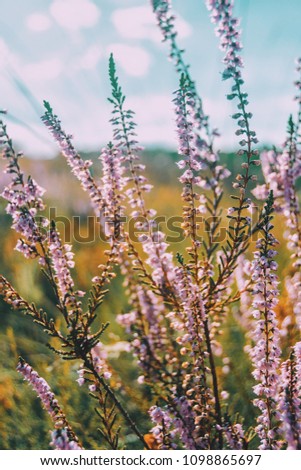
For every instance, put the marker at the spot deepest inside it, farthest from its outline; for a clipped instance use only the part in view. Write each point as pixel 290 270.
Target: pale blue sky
pixel 58 49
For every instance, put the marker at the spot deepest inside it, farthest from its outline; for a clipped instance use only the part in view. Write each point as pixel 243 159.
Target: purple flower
pixel 24 201
pixel 290 399
pixel 80 167
pixel 113 184
pixel 221 12
pixel 99 357
pixel 62 260
pixel 63 437
pixel 265 334
pixel 166 23
pixel 163 421
pixel 61 441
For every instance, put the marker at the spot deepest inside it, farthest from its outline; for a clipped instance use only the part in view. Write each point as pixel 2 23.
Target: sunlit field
pixel 151 295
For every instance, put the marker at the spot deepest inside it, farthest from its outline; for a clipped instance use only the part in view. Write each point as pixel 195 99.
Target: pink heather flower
pixel 227 30
pixel 80 381
pixel 191 320
pixel 221 12
pixel 61 441
pixel 293 288
pixel 188 145
pixel 224 395
pixel 172 423
pixel 193 308
pixel 24 201
pixel 62 261
pixel 113 184
pixel 163 421
pixel 158 415
pixel 281 170
pixel 126 142
pixel 289 160
pixel 191 177
pixel 185 426
pixel 80 167
pixel 111 159
pixel 127 320
pixel 63 437
pixel 193 128
pixel 200 170
pixel 152 310
pixel 159 260
pixel 166 23
pixel 40 386
pixel 266 352
pixel 269 160
pixel 100 364
pixel 99 357
pixel 234 435
pixel 290 399
pixel 195 151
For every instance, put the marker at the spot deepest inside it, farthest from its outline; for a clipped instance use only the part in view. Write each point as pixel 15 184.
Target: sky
pixel 58 50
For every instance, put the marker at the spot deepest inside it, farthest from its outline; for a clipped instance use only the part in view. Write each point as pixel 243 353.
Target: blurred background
pixel 58 50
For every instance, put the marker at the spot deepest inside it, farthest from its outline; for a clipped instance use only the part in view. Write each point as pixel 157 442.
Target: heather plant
pixel 180 304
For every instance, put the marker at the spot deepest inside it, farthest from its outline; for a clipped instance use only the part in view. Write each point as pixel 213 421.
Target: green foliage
pixel 47 107
pixel 117 94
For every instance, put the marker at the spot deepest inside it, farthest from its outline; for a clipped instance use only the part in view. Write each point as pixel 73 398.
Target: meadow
pixel 152 298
